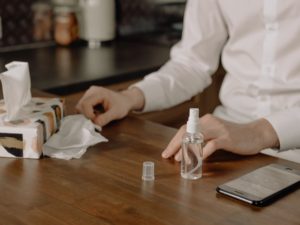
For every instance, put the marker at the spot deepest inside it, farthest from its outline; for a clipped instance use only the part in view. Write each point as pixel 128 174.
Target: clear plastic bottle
pixel 192 154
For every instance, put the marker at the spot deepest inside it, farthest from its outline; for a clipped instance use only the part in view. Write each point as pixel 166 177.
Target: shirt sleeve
pixel 286 125
pixel 192 61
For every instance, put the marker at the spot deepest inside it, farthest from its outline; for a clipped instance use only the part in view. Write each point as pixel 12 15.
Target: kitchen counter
pixel 70 71
pixel 65 70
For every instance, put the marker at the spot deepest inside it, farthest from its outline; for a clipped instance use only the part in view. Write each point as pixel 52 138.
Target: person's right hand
pixel 244 139
pixel 116 104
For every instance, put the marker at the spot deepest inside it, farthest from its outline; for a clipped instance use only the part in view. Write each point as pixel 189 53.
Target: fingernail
pixel 164 155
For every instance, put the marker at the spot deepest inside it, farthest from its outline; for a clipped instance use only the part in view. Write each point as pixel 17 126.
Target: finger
pixel 85 96
pixel 79 106
pixel 174 144
pixel 178 156
pixel 210 148
pixel 104 118
pixel 77 109
pixel 87 106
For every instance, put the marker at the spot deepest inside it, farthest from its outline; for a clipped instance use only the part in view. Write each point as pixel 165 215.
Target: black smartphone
pixel 264 185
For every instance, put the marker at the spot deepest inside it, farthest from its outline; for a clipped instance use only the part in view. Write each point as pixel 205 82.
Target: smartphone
pixel 264 185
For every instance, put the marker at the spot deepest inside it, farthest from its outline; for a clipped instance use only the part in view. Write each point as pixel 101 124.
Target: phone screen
pixel 262 182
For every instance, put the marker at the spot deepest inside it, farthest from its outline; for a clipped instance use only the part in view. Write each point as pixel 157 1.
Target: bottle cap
pixel 148 171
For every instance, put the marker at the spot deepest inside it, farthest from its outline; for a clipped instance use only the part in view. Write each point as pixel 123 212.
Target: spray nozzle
pixel 193 121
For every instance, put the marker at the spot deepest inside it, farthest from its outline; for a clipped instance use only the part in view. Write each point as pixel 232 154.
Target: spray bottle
pixel 192 154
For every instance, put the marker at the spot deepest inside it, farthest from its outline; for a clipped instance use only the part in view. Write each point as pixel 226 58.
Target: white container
pixel 97 21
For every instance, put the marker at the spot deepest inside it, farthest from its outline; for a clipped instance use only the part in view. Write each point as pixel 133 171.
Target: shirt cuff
pixel 153 94
pixel 286 125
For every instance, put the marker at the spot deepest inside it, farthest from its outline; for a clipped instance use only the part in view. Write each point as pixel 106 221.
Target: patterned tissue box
pixel 25 137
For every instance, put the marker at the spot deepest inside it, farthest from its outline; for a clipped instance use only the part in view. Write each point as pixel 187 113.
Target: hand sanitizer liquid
pixel 192 154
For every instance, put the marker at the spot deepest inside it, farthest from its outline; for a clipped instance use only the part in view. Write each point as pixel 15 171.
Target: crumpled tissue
pixel 16 86
pixel 75 135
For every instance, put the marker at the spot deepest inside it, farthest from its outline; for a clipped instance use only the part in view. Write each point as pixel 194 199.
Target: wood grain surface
pixel 105 186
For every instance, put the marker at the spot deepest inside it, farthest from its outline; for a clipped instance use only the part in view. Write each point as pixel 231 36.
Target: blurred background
pixel 28 23
pixel 73 44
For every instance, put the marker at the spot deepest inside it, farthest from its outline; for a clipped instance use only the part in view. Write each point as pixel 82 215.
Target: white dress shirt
pixel 259 45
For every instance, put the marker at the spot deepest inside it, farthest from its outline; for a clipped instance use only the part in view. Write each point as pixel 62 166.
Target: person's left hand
pixel 243 139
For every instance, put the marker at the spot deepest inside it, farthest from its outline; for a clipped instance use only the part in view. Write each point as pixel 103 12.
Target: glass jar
pixel 42 21
pixel 66 25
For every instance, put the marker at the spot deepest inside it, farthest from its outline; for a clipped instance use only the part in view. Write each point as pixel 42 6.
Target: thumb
pixel 104 118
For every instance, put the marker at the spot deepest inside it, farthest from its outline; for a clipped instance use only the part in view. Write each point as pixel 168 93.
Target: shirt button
pixel 269 70
pixel 272 26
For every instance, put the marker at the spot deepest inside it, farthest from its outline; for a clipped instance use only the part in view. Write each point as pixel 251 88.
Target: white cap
pixel 148 171
pixel 193 121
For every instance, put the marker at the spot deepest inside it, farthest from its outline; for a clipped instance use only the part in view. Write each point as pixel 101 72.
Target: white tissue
pixel 16 88
pixel 75 135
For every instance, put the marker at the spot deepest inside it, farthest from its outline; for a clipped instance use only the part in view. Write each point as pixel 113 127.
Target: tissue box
pixel 25 137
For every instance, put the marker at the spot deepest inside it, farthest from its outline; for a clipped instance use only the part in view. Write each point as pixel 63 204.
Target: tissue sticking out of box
pixel 16 87
pixel 25 137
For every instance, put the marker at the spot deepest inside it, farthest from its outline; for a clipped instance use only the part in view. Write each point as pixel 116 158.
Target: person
pixel 260 95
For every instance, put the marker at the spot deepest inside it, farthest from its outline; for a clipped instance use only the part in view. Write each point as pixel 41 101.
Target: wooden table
pixel 105 186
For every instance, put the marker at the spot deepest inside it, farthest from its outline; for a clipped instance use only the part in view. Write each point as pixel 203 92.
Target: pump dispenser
pixel 193 121
pixel 192 154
